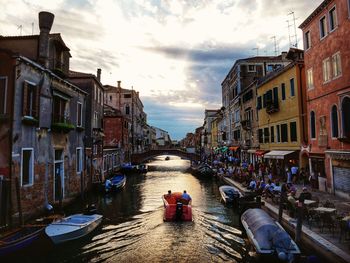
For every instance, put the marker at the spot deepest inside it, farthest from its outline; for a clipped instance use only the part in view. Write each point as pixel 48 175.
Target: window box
pixel 64 127
pixel 29 120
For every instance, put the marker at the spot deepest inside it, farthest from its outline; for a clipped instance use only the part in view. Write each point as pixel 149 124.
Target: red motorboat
pixel 176 208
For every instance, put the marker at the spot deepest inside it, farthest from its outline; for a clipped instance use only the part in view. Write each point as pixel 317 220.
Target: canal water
pixel 133 229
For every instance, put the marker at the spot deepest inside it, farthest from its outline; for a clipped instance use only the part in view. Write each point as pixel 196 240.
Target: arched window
pixel 345 108
pixel 312 125
pixel 127 109
pixel 334 118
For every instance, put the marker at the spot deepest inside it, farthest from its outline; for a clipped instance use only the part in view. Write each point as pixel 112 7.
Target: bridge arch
pixel 142 157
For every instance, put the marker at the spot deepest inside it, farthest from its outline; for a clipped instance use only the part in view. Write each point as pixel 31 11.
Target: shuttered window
pixel 284 132
pixel 293 132
pixel 3 94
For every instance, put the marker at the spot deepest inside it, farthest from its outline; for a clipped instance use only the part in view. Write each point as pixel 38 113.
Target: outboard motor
pixel 179 211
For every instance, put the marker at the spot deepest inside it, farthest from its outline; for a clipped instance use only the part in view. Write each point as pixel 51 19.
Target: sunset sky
pixel 175 53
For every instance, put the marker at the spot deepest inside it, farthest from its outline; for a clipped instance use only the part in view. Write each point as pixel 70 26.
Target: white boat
pixel 268 237
pixel 72 227
pixel 230 194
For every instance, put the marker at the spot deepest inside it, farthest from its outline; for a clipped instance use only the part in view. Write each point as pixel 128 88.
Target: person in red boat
pixel 186 197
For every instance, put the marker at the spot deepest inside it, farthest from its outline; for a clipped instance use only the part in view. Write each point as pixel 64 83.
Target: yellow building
pixel 281 107
pixel 214 132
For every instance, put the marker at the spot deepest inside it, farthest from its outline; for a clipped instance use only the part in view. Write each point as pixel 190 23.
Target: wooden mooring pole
pixel 300 214
pixel 19 206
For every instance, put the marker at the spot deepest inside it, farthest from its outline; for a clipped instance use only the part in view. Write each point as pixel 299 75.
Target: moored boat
pixel 72 227
pixel 205 170
pixel 176 208
pixel 115 183
pixel 268 236
pixel 167 158
pixel 20 238
pixel 230 194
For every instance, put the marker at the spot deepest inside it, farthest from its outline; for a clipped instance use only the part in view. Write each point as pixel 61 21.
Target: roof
pixel 82 75
pixel 274 74
pixel 315 13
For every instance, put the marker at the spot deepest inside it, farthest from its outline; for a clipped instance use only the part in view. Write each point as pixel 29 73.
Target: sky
pixel 175 53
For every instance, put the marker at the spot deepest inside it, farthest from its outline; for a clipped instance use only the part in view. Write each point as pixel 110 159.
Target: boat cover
pixel 266 232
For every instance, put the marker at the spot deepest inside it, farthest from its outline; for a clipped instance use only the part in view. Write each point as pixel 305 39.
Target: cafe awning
pixel 277 154
pixel 260 152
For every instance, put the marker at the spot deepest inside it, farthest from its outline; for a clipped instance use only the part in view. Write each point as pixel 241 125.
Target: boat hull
pixel 230 194
pixel 67 230
pixel 176 209
pixel 20 239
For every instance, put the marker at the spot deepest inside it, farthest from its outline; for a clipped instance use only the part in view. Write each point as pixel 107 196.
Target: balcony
pixel 246 124
pixel 272 107
pixel 61 123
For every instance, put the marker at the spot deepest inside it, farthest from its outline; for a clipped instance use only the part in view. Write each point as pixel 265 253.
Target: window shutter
pixel 25 99
pixel 36 101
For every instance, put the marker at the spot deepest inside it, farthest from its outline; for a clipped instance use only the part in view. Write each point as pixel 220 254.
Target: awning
pixel 260 152
pixel 233 148
pixel 277 154
pixel 251 151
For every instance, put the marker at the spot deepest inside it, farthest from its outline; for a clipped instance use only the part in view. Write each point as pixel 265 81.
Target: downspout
pixel 303 113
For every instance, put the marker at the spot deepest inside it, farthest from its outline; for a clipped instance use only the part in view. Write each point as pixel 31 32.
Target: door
pixel 58 176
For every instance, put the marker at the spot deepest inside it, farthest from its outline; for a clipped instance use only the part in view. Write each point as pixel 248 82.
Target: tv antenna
pixel 274 39
pixel 290 40
pixel 295 29
pixel 257 50
pixel 20 27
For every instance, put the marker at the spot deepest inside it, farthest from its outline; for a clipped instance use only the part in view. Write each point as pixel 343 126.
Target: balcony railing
pixel 61 123
pixel 272 107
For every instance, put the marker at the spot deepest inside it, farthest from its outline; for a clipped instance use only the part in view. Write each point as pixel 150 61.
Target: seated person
pixel 186 197
pixel 108 184
pixel 252 185
pixel 291 203
pixel 305 194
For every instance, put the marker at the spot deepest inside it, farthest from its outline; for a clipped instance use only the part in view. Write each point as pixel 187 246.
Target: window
pixel 27 167
pixel 79 160
pixel 127 109
pixel 284 132
pixel 292 89
pixel 59 110
pixel 283 91
pixel 237 116
pixel 293 132
pixel 237 135
pixel 3 94
pixel 333 23
pixel 95 120
pixel 270 67
pixel 307 40
pixel 323 27
pixel 105 163
pixel 336 65
pixel 264 102
pixel 258 107
pixel 312 125
pixel 79 114
pixel 334 118
pixel 272 134
pixel 110 98
pixel 266 135
pixel 251 68
pixel 278 133
pixel 127 96
pixel 275 95
pixel 326 66
pixel 310 79
pixel 260 135
pixel 346 116
pixel 30 99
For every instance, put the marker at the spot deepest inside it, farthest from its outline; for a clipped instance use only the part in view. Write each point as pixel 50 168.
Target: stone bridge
pixel 142 157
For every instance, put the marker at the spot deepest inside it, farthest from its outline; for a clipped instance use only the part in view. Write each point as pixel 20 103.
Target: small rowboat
pixel 268 237
pixel 176 208
pixel 115 183
pixel 20 238
pixel 230 194
pixel 72 227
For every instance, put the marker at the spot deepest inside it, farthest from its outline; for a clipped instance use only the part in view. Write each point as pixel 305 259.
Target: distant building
pixel 162 138
pixel 327 65
pixel 209 116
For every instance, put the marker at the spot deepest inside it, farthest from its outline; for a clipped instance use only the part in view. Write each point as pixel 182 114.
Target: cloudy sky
pixel 175 53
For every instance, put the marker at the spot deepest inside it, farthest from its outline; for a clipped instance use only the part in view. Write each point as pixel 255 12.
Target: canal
pixel 133 229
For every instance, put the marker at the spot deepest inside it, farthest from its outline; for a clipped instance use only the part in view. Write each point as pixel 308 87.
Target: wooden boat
pixel 20 238
pixel 230 194
pixel 205 170
pixel 268 236
pixel 141 168
pixel 116 182
pixel 176 208
pixel 167 158
pixel 72 227
pixel 127 167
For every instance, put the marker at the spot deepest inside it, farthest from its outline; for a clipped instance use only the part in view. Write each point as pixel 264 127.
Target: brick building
pixel 327 64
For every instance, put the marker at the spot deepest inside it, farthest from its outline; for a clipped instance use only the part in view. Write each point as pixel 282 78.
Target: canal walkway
pixel 330 244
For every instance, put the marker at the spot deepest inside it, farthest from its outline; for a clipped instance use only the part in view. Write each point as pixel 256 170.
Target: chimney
pixel 45 24
pixel 119 84
pixel 99 74
pixel 284 55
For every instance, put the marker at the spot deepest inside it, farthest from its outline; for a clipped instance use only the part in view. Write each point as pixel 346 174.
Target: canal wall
pixel 309 239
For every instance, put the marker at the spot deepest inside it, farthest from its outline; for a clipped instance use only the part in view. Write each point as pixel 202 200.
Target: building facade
pixel 281 107
pixel 328 94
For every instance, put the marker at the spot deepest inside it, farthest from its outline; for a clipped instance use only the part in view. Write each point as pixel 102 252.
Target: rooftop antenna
pixel 257 50
pixel 290 40
pixel 32 28
pixel 274 39
pixel 20 29
pixel 295 30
